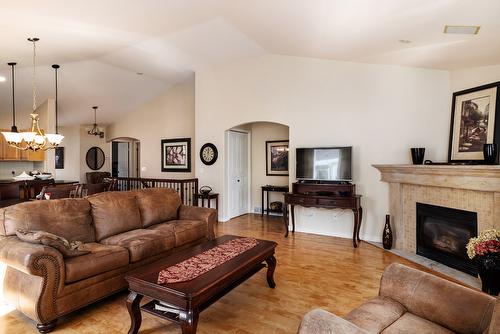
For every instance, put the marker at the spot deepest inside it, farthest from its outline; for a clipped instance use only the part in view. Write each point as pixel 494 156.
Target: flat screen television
pixel 324 163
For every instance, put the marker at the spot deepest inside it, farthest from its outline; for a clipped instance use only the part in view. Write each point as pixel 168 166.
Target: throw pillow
pixel 67 249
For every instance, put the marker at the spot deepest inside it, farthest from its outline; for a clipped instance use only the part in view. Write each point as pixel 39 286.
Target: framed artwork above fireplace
pixel 475 121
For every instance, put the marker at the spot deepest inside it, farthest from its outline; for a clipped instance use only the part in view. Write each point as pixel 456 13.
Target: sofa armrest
pixel 206 215
pixel 26 257
pixel 33 278
pixel 436 299
pixel 319 321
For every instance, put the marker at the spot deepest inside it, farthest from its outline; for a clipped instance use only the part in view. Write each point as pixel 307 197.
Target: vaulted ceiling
pixel 102 45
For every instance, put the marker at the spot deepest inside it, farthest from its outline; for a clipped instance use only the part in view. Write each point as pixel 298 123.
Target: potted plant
pixel 485 250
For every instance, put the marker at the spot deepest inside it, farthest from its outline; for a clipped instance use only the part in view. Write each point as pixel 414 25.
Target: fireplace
pixel 443 233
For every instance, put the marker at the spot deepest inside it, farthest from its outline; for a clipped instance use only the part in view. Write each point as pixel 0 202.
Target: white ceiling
pixel 100 45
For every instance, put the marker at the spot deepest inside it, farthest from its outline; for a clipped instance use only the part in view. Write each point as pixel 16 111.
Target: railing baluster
pixel 185 188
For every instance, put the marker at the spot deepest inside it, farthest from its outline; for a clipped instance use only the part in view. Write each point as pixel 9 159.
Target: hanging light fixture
pixel 95 129
pixel 13 129
pixel 35 139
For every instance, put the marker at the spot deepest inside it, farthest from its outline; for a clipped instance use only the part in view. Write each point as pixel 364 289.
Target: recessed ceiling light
pixel 464 30
pixel 404 41
pixel 2 79
pixel 140 73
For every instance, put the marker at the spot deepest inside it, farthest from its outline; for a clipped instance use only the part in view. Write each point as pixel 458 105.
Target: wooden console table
pixel 266 189
pixel 324 195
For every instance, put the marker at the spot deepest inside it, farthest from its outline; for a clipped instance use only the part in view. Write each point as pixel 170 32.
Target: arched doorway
pixel 249 165
pixel 125 157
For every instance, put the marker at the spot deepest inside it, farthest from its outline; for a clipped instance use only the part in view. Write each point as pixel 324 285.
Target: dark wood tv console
pixel 321 194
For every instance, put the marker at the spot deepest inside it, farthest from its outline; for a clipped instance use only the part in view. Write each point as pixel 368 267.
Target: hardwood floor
pixel 312 271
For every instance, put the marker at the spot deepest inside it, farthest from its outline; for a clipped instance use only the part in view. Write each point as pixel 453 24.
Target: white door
pixel 238 173
pixel 123 159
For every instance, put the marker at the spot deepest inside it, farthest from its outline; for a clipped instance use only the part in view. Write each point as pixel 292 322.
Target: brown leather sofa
pixel 122 231
pixel 411 301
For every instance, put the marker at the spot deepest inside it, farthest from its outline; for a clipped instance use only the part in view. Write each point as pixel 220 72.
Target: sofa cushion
pixel 114 212
pixel 141 243
pixel 185 231
pixel 158 205
pixel 69 218
pixel 102 258
pixel 410 323
pixel 376 314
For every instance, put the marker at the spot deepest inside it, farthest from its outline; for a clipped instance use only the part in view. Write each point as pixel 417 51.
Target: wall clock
pixel 208 154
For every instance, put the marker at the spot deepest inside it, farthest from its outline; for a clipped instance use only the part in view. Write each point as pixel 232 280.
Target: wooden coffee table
pixel 192 297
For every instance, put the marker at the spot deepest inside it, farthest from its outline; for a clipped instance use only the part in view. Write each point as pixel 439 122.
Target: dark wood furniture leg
pixel 217 203
pixel 267 203
pixel 271 266
pixel 359 222
pixel 134 310
pixel 292 209
pixel 47 327
pixel 209 201
pixel 355 229
pixel 262 202
pixel 189 321
pixel 285 218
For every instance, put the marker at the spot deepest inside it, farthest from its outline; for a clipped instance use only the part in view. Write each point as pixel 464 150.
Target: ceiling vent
pixel 463 30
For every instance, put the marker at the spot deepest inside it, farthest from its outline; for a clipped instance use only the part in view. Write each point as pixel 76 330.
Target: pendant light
pixel 35 139
pixel 95 129
pixel 56 67
pixel 13 128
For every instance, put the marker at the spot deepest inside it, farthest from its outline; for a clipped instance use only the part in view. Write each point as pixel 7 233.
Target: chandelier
pixel 95 129
pixel 35 139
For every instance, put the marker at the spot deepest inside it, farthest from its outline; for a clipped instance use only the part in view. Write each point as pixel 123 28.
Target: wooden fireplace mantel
pixel 473 188
pixel 470 177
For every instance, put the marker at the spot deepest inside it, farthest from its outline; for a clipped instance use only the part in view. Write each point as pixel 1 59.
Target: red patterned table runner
pixel 197 265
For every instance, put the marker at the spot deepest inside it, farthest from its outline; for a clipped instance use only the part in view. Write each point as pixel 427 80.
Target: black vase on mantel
pixel 417 155
pixel 387 235
pixel 490 152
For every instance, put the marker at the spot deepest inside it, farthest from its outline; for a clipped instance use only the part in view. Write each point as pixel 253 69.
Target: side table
pixel 209 197
pixel 266 189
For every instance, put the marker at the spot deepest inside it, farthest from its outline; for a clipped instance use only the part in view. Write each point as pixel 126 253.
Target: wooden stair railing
pixel 185 187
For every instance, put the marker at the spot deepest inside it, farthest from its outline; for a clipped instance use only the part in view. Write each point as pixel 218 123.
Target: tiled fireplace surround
pixel 473 188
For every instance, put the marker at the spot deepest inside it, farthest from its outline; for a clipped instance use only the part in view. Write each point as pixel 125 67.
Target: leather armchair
pixel 411 301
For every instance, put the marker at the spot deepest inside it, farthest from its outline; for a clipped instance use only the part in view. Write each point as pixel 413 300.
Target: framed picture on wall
pixel 277 158
pixel 59 157
pixel 176 155
pixel 475 121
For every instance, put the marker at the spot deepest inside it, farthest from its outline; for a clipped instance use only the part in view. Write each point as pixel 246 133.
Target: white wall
pixel 473 77
pixel 171 115
pixel 88 141
pixel 380 110
pixel 260 133
pixel 72 160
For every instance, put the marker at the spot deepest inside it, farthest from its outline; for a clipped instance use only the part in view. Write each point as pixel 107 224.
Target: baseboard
pixel 364 237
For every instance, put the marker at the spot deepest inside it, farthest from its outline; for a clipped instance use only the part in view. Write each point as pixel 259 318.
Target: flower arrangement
pixel 488 242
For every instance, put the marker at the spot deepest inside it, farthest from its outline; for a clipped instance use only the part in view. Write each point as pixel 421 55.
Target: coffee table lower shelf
pixel 174 317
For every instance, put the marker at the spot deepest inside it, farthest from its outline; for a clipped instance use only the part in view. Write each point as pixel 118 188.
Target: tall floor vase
pixel 387 235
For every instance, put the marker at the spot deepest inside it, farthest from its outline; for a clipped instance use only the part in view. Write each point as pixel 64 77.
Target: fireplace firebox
pixel 443 233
